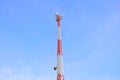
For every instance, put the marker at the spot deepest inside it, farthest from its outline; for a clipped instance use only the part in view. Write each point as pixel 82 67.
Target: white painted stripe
pixel 60 68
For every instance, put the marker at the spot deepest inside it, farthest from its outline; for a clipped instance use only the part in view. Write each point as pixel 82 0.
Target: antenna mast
pixel 60 66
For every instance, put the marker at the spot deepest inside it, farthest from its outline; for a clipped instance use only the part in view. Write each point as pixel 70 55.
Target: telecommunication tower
pixel 60 66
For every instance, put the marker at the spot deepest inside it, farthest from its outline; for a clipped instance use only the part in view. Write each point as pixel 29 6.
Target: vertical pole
pixel 59 67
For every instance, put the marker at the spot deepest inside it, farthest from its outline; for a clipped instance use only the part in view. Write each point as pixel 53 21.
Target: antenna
pixel 60 66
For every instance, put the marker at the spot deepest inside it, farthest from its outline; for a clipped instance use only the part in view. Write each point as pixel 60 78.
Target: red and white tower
pixel 59 67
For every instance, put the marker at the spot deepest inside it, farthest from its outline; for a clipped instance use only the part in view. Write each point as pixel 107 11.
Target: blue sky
pixel 90 37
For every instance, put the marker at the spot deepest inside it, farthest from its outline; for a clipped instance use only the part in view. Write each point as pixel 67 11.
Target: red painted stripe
pixel 60 77
pixel 59 47
pixel 58 23
pixel 58 20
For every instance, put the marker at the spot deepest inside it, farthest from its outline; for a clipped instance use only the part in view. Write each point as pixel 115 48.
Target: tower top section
pixel 58 17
